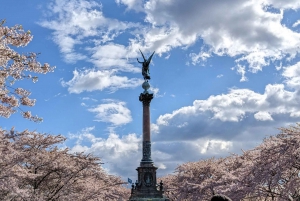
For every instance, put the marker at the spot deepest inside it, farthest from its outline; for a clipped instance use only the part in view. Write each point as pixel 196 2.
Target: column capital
pixel 146 98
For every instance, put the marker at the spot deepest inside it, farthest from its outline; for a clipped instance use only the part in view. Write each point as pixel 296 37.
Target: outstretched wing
pixel 149 60
pixel 143 55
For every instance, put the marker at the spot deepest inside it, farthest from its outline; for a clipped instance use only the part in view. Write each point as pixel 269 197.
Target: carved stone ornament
pixel 146 151
pixel 148 179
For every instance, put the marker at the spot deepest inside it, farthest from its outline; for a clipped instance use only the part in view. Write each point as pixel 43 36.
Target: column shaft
pixel 146 123
pixel 146 98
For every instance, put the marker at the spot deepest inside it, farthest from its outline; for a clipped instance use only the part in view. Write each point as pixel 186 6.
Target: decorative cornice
pixel 146 98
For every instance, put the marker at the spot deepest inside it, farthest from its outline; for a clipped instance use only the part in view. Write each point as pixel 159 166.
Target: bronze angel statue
pixel 145 69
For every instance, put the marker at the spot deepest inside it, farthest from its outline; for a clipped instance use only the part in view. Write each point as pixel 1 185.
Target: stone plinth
pixel 146 186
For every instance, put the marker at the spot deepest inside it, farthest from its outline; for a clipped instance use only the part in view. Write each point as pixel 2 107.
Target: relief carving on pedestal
pixel 146 151
pixel 148 179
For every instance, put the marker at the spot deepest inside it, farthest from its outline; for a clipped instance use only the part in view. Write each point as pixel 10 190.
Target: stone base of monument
pixel 146 187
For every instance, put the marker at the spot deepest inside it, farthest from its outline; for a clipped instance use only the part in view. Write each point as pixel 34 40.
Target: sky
pixel 225 75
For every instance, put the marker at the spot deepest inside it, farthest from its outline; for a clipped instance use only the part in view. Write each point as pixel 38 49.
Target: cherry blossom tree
pixel 15 67
pixel 271 171
pixel 203 179
pixel 9 157
pixel 32 167
pixel 275 174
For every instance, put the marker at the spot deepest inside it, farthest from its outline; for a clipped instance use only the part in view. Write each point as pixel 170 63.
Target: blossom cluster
pixel 15 67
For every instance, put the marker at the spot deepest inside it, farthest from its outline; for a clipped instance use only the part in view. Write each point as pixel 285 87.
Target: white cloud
pixel 167 155
pixel 114 112
pixel 117 147
pixel 162 39
pixel 292 75
pixel 154 128
pixel 161 166
pixel 155 92
pixel 235 105
pixel 183 125
pixel 241 69
pixel 91 80
pixel 82 32
pixel 88 98
pixel 215 146
pixel 73 21
pixel 83 104
pixel 136 5
pixel 296 23
pixel 284 4
pixel 115 56
pixel 247 30
pixel 202 56
pixel 120 154
pixel 263 116
pixel 85 135
pixel 239 112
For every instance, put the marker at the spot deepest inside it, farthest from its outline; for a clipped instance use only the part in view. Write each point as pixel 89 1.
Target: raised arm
pixel 139 61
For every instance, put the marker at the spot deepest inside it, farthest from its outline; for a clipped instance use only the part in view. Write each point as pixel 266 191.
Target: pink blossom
pixel 15 67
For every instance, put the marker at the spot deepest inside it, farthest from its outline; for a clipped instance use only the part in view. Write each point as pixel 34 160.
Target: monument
pixel 146 187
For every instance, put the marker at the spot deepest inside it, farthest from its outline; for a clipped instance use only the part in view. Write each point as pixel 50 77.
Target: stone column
pixel 145 187
pixel 146 98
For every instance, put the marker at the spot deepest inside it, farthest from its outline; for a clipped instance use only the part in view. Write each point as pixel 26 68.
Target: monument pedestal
pixel 146 187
